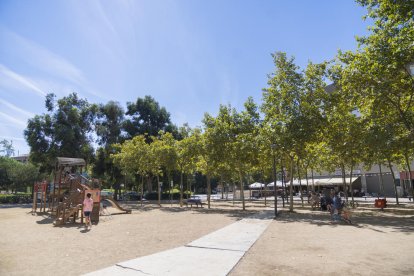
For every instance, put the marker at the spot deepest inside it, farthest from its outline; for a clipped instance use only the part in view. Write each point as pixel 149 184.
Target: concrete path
pixel 214 254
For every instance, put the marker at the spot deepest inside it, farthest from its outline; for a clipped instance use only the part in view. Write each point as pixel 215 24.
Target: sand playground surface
pixel 304 242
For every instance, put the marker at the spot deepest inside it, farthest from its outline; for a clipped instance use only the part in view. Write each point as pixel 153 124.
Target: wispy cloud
pixel 41 57
pixel 14 120
pixel 45 60
pixel 12 138
pixel 15 108
pixel 21 80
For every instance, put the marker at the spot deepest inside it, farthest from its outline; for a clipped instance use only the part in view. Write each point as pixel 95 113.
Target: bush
pixel 16 198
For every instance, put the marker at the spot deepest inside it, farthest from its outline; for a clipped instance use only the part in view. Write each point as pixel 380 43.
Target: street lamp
pixel 274 176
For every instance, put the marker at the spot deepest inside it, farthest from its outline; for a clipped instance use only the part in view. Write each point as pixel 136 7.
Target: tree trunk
pixel 350 184
pixel 142 189
pixel 407 161
pixel 181 190
pixel 188 185
pixel 149 183
pixel 208 190
pixel 313 181
pixel 283 185
pixel 137 179
pixel 300 182
pixel 242 190
pixel 169 188
pixel 343 178
pixel 393 179
pixel 292 164
pixel 234 192
pixel 307 182
pixel 159 190
pixel 222 186
pixel 381 181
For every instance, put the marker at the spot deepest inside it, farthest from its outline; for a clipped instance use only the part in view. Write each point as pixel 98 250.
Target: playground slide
pixel 116 205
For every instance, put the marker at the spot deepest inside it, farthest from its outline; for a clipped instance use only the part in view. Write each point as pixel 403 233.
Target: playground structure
pixel 67 193
pixel 65 196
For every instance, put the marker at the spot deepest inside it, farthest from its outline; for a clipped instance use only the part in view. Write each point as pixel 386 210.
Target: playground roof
pixel 70 161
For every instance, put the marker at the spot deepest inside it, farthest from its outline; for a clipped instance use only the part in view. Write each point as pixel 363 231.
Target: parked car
pixel 105 193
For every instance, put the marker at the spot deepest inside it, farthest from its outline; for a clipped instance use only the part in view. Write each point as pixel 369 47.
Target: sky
pixel 189 55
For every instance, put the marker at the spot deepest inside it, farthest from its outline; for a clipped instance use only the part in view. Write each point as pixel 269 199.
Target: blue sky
pixel 190 55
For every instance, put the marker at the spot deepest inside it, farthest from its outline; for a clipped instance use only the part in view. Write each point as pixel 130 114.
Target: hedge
pixel 16 198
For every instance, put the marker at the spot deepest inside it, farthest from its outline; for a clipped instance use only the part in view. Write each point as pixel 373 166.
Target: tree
pixel 133 158
pixel 110 118
pixel 22 175
pixel 376 74
pixel 146 117
pixel 5 164
pixel 214 141
pixel 64 131
pixel 108 126
pixel 167 154
pixel 187 151
pixel 282 109
pixel 6 147
pixel 243 147
pixel 16 176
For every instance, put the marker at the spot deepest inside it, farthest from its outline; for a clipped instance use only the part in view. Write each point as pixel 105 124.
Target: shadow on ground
pixel 373 220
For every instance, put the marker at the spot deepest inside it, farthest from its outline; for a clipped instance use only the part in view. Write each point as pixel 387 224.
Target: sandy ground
pixel 306 243
pixel 301 243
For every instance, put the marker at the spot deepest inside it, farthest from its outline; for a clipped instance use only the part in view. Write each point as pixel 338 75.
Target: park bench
pixel 194 200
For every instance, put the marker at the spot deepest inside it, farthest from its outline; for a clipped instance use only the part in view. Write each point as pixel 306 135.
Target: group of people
pixel 333 203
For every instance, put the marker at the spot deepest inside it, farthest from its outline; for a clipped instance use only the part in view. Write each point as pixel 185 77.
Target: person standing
pixel 337 206
pixel 87 210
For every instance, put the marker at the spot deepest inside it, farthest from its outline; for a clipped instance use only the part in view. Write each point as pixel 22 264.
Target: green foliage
pixel 16 198
pixel 17 176
pixel 146 117
pixel 63 131
pixel 377 84
pixel 133 156
pixel 6 148
pixel 109 122
pixel 188 151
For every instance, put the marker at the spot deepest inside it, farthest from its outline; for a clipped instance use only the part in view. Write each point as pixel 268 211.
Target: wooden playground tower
pixel 67 193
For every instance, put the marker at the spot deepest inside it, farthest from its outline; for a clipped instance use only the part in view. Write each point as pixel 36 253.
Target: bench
pixel 195 201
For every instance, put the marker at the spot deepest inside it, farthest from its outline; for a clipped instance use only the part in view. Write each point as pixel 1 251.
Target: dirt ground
pixel 307 243
pixel 301 243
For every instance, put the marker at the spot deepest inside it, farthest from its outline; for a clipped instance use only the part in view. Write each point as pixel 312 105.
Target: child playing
pixel 87 210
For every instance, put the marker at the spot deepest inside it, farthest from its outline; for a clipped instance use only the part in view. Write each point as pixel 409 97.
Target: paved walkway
pixel 214 254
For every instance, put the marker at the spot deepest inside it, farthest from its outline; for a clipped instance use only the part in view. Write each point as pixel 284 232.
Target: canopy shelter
pixel 278 184
pixel 287 183
pixel 320 181
pixel 332 181
pixel 72 162
pixel 257 185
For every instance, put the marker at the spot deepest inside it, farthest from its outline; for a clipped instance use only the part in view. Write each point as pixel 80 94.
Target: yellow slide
pixel 117 206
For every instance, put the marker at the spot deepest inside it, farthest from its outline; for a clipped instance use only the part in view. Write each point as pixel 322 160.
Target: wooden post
pixel 63 213
pixel 34 207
